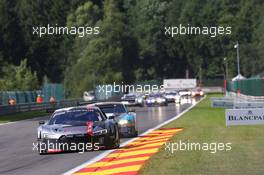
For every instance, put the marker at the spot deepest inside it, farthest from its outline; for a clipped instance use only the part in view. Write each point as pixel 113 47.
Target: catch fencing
pixel 248 87
pixel 18 96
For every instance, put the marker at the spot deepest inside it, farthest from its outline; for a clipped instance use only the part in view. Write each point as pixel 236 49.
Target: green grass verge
pixel 206 124
pixel 21 116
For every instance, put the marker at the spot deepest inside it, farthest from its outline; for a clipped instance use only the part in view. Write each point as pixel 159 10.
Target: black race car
pixel 126 119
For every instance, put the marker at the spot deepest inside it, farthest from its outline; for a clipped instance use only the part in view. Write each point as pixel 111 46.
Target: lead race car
pixel 75 128
pixel 156 99
pixel 126 120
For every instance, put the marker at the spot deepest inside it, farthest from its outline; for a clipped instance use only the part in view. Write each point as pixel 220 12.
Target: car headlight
pixel 123 122
pixel 201 93
pixel 153 100
pixel 139 100
pixel 160 100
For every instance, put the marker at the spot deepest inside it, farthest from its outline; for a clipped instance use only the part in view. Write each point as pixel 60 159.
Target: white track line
pixel 29 119
pixel 104 154
pixel 8 123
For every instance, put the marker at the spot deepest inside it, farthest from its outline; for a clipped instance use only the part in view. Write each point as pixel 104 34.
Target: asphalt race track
pixel 16 143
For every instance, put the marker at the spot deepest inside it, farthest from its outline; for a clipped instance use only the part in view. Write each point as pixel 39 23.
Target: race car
pixel 88 96
pixel 156 100
pixel 126 120
pixel 140 100
pixel 197 92
pixel 172 96
pixel 132 100
pixel 75 126
pixel 185 92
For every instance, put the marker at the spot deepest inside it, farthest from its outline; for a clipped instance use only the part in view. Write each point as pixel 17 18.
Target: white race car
pixel 185 92
pixel 172 96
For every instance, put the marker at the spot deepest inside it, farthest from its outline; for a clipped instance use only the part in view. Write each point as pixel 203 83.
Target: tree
pixel 131 45
pixel 18 78
pixel 100 60
pixel 12 46
pixel 252 60
pixel 47 55
pixel 147 19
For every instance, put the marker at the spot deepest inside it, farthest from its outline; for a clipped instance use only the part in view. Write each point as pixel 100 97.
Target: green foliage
pixel 11 36
pixel 131 45
pixel 46 54
pixel 148 18
pixel 99 61
pixel 146 22
pixel 18 77
pixel 253 52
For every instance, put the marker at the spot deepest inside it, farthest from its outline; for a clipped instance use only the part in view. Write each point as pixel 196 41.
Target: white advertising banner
pixel 222 104
pixel 179 83
pixel 245 105
pixel 222 98
pixel 252 116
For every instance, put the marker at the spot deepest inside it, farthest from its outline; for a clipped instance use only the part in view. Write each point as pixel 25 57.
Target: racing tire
pixel 165 104
pixel 117 139
pixel 141 105
pixel 115 143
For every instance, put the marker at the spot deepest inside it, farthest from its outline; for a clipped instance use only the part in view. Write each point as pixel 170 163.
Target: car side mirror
pixel 41 122
pixel 111 117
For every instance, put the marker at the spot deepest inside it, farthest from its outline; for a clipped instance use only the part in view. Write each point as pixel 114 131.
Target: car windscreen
pixel 130 96
pixel 171 93
pixel 75 116
pixel 155 95
pixel 113 109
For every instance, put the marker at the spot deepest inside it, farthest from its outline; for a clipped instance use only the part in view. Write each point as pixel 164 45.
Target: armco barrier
pixel 26 107
pixel 243 97
pixel 10 109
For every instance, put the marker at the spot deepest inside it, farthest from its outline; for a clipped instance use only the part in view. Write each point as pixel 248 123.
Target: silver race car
pixel 71 129
pixel 126 120
pixel 133 100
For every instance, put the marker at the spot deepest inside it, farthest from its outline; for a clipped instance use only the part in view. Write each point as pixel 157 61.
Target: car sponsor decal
pixel 129 159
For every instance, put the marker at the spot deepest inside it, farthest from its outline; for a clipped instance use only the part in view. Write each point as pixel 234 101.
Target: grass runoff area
pixel 22 116
pixel 204 124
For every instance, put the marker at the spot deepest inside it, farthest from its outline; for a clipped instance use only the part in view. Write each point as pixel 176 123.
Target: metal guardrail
pixel 233 100
pixel 213 89
pixel 49 107
pixel 10 109
pixel 243 97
